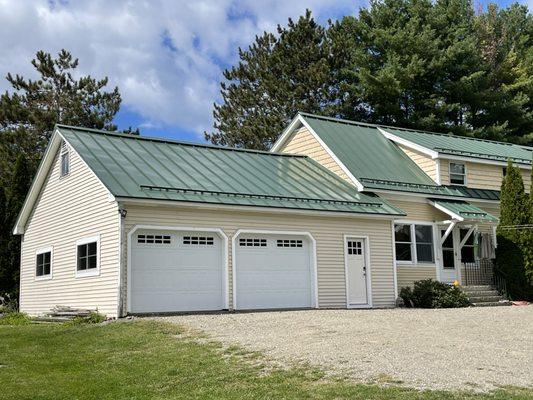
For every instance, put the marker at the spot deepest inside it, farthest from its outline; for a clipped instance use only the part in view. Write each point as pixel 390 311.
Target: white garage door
pixel 273 271
pixel 176 271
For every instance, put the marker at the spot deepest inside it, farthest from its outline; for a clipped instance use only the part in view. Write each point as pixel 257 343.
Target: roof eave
pixel 37 183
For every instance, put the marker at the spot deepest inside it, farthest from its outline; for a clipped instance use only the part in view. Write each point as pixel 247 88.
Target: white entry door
pixel 174 271
pixel 450 263
pixel 357 273
pixel 273 271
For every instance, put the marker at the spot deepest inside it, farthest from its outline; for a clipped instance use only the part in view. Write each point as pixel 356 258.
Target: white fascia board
pixel 446 156
pixel 37 184
pixel 412 196
pixel 407 143
pixel 299 119
pixel 455 216
pixel 286 134
pixel 126 201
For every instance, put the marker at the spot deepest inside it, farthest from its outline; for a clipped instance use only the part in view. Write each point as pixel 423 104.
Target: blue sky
pixel 166 56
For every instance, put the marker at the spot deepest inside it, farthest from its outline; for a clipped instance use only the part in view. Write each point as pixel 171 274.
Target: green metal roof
pixel 379 164
pixel 366 152
pixel 147 168
pixel 466 146
pixel 443 190
pixel 467 211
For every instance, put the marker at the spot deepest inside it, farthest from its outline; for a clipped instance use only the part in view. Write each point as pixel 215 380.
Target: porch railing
pixel 484 272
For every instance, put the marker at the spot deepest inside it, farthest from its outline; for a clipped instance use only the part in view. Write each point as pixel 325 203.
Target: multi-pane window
pixel 457 174
pixel 87 256
pixel 199 240
pixel 65 159
pixel 252 242
pixel 289 243
pixel 468 250
pixel 414 243
pixel 355 248
pixel 153 239
pixel 43 264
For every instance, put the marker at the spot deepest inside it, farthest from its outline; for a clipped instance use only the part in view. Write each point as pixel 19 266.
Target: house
pixel 340 214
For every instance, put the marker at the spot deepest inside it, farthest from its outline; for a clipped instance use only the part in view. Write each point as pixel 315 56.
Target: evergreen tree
pixel 511 253
pixel 275 78
pixel 27 117
pixel 434 65
pixel 18 187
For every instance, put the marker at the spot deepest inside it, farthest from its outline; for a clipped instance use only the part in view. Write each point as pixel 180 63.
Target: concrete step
pixel 477 287
pixel 481 293
pixel 484 299
pixel 493 304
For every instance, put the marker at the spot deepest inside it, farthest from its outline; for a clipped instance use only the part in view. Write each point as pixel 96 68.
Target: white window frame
pixel 49 249
pixel 64 150
pixel 414 254
pixel 92 271
pixel 454 173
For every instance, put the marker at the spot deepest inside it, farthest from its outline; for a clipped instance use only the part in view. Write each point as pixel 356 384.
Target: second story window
pixel 457 174
pixel 65 159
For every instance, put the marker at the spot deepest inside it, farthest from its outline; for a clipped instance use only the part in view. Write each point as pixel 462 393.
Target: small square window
pixel 355 248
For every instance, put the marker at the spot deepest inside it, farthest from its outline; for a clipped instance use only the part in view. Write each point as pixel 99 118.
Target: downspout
pixel 120 296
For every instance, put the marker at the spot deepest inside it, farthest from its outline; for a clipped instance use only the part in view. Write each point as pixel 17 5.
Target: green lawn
pixel 146 360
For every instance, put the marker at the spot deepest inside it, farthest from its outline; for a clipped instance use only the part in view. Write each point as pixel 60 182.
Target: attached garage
pixel 273 271
pixel 174 271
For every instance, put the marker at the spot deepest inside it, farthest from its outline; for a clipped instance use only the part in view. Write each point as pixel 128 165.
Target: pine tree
pixel 275 78
pixel 27 116
pixel 18 188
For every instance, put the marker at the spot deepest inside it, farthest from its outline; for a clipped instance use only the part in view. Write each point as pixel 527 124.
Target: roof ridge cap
pixel 177 142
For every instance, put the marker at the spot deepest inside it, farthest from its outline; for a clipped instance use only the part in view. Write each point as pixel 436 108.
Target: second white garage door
pixel 273 271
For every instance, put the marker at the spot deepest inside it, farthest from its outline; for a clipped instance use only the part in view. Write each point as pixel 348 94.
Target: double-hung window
pixel 414 243
pixel 457 174
pixel 43 263
pixel 88 256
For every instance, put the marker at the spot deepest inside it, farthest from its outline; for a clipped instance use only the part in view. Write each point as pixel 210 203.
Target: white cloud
pixel 173 84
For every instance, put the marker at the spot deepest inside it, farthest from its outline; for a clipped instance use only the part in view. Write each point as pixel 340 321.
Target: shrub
pixel 432 294
pixel 15 318
pixel 8 303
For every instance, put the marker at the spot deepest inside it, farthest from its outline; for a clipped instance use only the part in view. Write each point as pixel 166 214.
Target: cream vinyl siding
pixel 303 142
pixel 70 208
pixel 407 276
pixel 422 212
pixel 327 231
pixel 482 176
pixel 426 163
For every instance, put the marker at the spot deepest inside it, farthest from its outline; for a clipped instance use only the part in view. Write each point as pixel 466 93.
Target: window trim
pixel 464 175
pixel 64 150
pixel 49 249
pixel 92 271
pixel 414 262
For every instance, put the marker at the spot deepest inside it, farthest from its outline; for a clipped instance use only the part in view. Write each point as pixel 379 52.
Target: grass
pixel 149 360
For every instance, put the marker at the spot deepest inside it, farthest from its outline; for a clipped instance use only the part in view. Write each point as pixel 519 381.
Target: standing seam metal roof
pixel 149 168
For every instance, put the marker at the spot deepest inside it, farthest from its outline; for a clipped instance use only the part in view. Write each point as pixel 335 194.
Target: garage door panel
pixel 182 275
pixel 273 276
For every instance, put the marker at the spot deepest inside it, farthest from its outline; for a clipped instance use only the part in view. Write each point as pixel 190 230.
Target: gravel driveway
pixel 470 348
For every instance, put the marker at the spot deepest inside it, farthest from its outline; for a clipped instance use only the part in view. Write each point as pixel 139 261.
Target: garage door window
pixel 199 240
pixel 153 239
pixel 289 243
pixel 253 242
